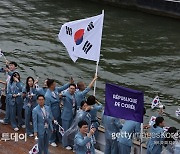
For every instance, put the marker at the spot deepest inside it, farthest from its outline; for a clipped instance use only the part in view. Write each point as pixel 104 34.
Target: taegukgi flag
pixel 124 103
pixel 1 53
pixel 34 150
pixel 61 130
pixel 155 102
pixel 82 38
pixel 178 112
pixel 152 121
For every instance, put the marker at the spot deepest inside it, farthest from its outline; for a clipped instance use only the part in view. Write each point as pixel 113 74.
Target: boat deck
pixel 22 147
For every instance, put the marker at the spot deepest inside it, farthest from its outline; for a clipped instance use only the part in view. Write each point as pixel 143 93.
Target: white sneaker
pixel 31 135
pixel 23 126
pixel 54 144
pixel 16 129
pixel 2 121
pixel 68 148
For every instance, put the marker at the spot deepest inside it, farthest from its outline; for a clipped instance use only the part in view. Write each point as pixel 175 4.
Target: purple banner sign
pixel 124 103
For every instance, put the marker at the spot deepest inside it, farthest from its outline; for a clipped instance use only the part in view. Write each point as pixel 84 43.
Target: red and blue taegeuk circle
pixel 78 36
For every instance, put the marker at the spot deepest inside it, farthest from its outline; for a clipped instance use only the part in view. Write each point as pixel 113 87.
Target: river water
pixel 139 50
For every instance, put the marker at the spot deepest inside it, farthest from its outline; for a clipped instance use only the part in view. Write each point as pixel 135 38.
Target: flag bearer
pixel 42 123
pixel 53 101
pixel 30 96
pixel 82 91
pixel 14 95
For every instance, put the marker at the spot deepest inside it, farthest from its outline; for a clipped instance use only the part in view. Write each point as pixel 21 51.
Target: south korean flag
pixel 34 150
pixel 178 112
pixel 152 121
pixel 1 53
pixel 155 102
pixel 82 38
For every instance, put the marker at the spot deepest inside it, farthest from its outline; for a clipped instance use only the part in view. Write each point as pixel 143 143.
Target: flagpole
pixel 141 139
pixel 97 64
pixel 4 57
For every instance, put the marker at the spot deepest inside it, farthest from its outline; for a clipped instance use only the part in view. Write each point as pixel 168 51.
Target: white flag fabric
pixel 34 150
pixel 165 128
pixel 152 121
pixel 1 53
pixel 61 130
pixel 178 112
pixel 82 38
pixel 155 102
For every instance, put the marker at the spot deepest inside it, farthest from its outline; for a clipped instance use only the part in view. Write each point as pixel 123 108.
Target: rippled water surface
pixel 138 51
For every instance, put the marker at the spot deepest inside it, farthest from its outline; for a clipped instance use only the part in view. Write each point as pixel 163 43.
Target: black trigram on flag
pixel 87 46
pixel 68 31
pixel 90 26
